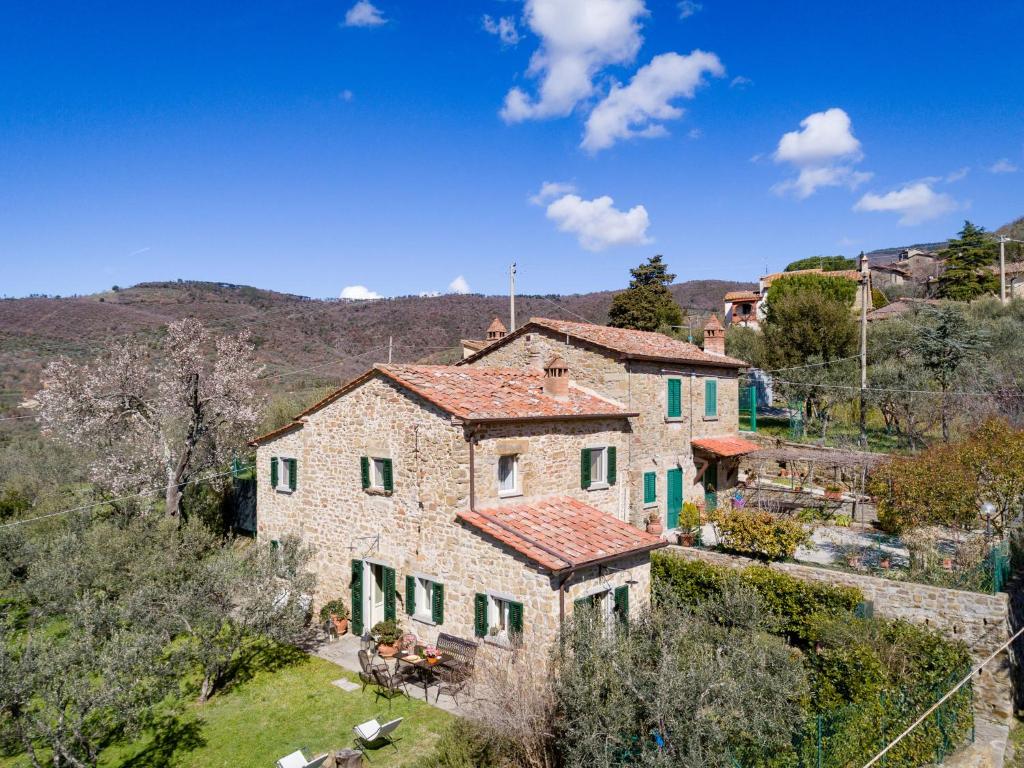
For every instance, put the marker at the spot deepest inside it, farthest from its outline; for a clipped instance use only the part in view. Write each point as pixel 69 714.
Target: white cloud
pixel 459 285
pixel 346 95
pixel 630 111
pixel 578 38
pixel 688 7
pixel 597 223
pixel 359 293
pixel 740 82
pixel 364 14
pixel 823 150
pixel 1003 165
pixel 915 202
pixel 695 133
pixel 504 28
pixel 551 189
pixel 957 175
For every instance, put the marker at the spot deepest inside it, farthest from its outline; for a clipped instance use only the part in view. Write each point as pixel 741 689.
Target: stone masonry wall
pixel 414 529
pixel 981 621
pixel 657 443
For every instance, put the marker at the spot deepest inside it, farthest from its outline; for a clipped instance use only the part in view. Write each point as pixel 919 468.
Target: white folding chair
pixel 298 760
pixel 372 731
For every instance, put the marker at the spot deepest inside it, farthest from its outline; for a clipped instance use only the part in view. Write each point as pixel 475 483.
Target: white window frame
pixel 498 612
pixel 424 598
pixel 377 472
pixel 602 452
pixel 515 490
pixel 284 472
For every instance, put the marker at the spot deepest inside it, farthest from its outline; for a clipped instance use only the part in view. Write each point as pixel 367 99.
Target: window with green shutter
pixel 364 468
pixel 515 622
pixel 273 471
pixel 650 487
pixel 585 468
pixel 710 398
pixel 357 597
pixel 480 615
pixel 622 603
pixel 293 474
pixel 675 399
pixel 612 474
pixel 388 475
pixel 410 595
pixel 389 592
pixel 437 603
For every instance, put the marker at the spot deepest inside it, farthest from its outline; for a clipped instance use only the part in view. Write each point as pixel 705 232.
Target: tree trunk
pixel 945 417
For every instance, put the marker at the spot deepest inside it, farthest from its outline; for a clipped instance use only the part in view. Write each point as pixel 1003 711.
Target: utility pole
pixel 1002 269
pixel 391 340
pixel 512 297
pixel 865 297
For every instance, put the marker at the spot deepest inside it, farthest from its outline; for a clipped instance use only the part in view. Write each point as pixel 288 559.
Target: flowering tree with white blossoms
pixel 155 417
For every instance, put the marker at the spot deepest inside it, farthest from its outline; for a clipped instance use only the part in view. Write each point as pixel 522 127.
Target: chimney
pixel 496 330
pixel 556 378
pixel 714 336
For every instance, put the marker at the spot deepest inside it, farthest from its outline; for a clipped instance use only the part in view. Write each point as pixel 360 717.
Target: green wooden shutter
pixel 711 398
pixel 293 474
pixel 410 595
pixel 364 468
pixel 650 487
pixel 357 597
pixel 585 468
pixel 622 603
pixel 611 465
pixel 515 620
pixel 389 592
pixel 673 496
pixel 389 478
pixel 480 615
pixel 437 604
pixel 273 471
pixel 675 399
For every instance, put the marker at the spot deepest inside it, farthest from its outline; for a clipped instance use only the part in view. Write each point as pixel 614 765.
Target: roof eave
pixel 610 558
pixel 723 363
pixel 561 417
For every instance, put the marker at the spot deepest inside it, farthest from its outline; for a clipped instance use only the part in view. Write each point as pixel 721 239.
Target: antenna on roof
pixel 512 297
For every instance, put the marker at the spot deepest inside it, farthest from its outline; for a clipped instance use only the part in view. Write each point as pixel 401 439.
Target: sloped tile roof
pixel 725 446
pixel 559 532
pixel 496 326
pixel 475 344
pixel 643 345
pixel 849 274
pixel 488 394
pixel 742 296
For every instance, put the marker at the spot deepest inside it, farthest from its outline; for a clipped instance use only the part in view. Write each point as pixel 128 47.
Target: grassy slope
pixel 271 715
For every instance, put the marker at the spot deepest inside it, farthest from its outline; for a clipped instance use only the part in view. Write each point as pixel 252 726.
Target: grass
pixel 271 714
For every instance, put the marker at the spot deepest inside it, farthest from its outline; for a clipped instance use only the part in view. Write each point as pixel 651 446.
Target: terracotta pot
pixel 432 660
pixel 947 563
pixel 833 495
pixel 387 651
pixel 884 562
pixel 654 526
pixel 687 539
pixel 340 625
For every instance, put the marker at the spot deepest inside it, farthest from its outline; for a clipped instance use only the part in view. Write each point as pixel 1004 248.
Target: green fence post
pixel 753 407
pixel 819 740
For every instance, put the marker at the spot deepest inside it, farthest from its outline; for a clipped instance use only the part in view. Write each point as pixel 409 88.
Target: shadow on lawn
pixel 173 733
pixel 261 656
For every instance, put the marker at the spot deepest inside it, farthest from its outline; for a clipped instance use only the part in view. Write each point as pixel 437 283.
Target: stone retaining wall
pixel 981 621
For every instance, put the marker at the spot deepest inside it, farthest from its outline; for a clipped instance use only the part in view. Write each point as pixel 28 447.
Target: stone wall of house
pixel 657 443
pixel 981 621
pixel 413 529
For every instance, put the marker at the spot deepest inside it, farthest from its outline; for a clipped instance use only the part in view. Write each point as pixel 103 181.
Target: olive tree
pixel 155 416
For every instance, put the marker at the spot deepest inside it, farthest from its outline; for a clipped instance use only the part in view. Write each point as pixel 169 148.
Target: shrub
pixel 689 516
pixel 334 608
pixel 759 534
pixel 386 632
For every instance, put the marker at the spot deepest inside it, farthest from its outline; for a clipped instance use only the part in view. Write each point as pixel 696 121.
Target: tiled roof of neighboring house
pixel 637 345
pixel 560 532
pixel 276 432
pixel 899 307
pixel 725 446
pixel 475 344
pixel 849 274
pixel 480 394
pixel 742 296
pixel 891 268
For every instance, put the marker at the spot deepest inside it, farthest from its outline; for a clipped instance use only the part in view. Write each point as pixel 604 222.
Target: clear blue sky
pixel 279 145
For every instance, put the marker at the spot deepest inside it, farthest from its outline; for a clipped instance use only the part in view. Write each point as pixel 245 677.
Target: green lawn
pixel 272 714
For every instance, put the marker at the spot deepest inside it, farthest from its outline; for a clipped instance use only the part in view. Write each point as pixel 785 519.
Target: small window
pixel 674 409
pixel 284 474
pixel 378 474
pixel 508 475
pixel 504 620
pixel 711 398
pixel 650 487
pixel 598 466
pixel 429 600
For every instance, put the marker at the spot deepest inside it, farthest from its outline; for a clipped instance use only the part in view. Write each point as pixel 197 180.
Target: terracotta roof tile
pixel 643 345
pixel 483 394
pixel 568 532
pixel 725 446
pixel 742 296
pixel 849 274
pixel 496 326
pixel 475 344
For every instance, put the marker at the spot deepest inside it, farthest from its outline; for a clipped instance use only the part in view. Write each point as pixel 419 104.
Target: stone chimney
pixel 496 330
pixel 714 336
pixel 556 378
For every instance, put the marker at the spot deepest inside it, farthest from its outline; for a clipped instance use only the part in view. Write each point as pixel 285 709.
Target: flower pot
pixel 947 563
pixel 654 526
pixel 833 495
pixel 340 625
pixel 687 539
pixel 387 651
pixel 433 660
pixel 884 562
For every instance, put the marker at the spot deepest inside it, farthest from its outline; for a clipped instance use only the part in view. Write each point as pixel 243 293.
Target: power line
pixel 121 498
pixel 893 389
pixel 809 365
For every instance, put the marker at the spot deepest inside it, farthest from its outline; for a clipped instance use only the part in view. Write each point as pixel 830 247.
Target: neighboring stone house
pixel 886 275
pixel 496 330
pixel 860 299
pixel 683 444
pixel 741 309
pixel 473 501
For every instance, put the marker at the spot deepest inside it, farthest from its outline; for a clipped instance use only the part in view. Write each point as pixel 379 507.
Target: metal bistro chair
pixel 389 684
pixel 451 681
pixel 366 668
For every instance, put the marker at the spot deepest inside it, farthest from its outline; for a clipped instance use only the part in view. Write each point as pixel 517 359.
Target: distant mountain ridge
pixel 303 342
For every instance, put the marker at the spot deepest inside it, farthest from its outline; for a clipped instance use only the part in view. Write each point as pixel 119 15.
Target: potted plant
pixel 386 634
pixel 335 612
pixel 431 654
pixel 833 492
pixel 654 524
pixel 885 562
pixel 689 522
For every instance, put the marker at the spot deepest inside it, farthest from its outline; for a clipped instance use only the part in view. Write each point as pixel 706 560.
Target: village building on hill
pixel 749 308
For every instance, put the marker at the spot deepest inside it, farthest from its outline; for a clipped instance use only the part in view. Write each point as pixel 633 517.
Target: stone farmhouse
pixel 749 308
pixel 478 501
pixel 683 442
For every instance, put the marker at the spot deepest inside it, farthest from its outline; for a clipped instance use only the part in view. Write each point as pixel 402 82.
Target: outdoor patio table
pixel 424 670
